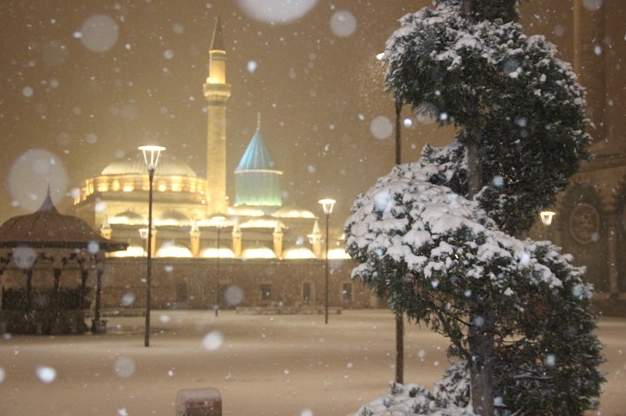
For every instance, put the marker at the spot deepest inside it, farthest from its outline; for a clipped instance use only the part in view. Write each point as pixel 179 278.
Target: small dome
pixel 338 254
pixel 245 211
pixel 171 249
pixel 216 221
pixel 258 253
pixel 131 251
pixel 212 253
pixel 135 165
pixel 298 253
pixel 173 218
pixel 292 212
pixel 128 217
pixel 262 223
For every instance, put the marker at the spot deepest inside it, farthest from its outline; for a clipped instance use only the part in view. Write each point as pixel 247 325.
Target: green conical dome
pixel 257 179
pixel 257 156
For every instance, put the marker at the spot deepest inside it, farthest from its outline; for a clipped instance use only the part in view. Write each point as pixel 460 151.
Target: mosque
pixel 190 211
pixel 207 252
pixel 255 252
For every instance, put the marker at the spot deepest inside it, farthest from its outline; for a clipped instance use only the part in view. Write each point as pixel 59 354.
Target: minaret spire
pixel 258 121
pixel 217 92
pixel 217 43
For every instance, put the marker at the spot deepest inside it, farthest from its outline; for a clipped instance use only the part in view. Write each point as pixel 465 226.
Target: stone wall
pixel 192 284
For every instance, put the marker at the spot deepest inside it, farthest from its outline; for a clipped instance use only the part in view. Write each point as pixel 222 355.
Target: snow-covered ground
pixel 261 364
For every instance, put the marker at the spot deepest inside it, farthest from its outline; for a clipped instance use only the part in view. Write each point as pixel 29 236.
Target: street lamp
pixel 219 223
pixel 327 206
pixel 546 217
pixel 151 157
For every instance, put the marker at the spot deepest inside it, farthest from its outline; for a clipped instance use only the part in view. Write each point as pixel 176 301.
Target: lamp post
pixel 219 223
pixel 399 316
pixel 151 157
pixel 327 206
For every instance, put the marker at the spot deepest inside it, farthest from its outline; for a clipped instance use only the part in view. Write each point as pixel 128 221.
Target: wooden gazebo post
pixel 98 326
pixel 29 287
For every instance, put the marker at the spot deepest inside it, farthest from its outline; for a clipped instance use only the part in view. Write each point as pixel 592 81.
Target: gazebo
pixel 36 251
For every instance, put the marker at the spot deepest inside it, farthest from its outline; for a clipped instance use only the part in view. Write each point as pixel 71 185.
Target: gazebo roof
pixel 47 228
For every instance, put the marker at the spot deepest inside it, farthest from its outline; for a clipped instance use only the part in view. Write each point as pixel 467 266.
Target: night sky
pixel 84 84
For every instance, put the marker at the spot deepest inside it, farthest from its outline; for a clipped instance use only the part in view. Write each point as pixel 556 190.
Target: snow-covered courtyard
pixel 287 365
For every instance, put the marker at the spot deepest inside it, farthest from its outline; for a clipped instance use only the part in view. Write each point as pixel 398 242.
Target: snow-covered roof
pixel 135 165
pixel 47 228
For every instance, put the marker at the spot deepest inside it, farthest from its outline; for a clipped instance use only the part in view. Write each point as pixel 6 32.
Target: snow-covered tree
pixel 432 251
pixel 436 237
pixel 508 95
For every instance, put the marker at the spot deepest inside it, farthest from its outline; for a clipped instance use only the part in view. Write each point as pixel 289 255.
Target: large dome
pixel 135 165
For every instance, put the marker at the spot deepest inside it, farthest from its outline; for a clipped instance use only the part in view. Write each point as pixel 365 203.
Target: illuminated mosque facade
pixel 590 221
pixel 190 211
pixel 255 253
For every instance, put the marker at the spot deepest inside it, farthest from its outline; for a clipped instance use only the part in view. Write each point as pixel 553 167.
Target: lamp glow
pixel 546 217
pixel 327 205
pixel 151 155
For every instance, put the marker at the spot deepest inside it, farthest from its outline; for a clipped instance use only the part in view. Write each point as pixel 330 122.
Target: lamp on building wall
pixel 143 233
pixel 327 206
pixel 546 217
pixel 151 157
pixel 219 223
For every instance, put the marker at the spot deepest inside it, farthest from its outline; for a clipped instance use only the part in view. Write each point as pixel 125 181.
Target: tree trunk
pixel 399 348
pixel 466 7
pixel 399 316
pixel 474 169
pixel 481 346
pixel 481 331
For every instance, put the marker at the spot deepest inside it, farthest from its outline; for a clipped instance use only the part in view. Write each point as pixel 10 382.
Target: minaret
pixel 217 92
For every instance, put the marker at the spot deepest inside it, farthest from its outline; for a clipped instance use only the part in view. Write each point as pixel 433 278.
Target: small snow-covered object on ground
pixel 412 399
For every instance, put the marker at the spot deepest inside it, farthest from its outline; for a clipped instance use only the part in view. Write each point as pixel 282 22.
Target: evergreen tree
pixel 506 93
pixel 435 237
